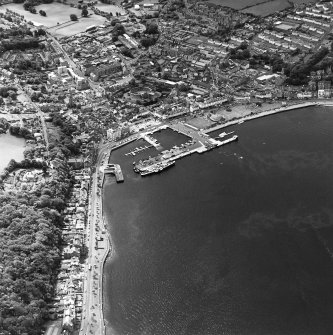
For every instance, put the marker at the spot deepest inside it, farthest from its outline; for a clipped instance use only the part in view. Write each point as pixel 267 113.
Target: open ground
pixel 75 27
pixel 263 9
pixel 110 8
pixel 268 8
pixel 56 12
pixel 57 19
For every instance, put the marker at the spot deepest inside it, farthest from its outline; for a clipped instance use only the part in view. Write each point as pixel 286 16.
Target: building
pixel 106 69
pixel 113 134
pixel 324 89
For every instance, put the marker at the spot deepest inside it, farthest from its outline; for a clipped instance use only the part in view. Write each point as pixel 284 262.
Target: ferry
pixel 155 168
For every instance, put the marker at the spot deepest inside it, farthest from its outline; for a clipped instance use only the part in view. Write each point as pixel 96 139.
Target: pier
pixel 114 169
pixel 152 141
pixel 199 143
pixel 138 149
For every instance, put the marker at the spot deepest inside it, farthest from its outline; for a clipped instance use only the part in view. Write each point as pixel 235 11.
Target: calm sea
pixel 238 240
pixel 11 147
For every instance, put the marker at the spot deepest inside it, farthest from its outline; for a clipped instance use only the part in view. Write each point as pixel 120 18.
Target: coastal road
pixel 99 246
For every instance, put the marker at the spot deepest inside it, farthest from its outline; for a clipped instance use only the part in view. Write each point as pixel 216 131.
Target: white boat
pixel 225 134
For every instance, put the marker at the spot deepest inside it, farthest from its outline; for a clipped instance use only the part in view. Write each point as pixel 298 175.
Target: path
pixel 99 245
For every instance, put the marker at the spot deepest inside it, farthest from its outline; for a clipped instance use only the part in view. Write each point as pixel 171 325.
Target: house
pixel 324 89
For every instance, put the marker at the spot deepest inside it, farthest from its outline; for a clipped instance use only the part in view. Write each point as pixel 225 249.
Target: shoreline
pixel 99 244
pixel 101 221
pixel 263 114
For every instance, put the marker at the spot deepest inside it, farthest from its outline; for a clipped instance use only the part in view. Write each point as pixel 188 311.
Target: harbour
pixel 212 236
pixel 115 170
pixel 197 142
pixel 138 149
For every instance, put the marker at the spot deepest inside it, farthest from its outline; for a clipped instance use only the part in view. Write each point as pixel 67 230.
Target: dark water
pixel 169 138
pixel 234 241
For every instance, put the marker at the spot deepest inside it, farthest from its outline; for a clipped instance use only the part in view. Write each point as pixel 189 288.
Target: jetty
pixel 138 149
pixel 152 141
pixel 114 169
pixel 198 143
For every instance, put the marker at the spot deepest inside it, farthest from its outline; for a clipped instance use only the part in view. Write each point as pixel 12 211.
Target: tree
pixel 40 31
pixel 27 5
pixel 84 12
pixel 12 95
pixel 114 22
pixel 73 17
pixel 118 29
pixel 147 42
pixel 152 28
pixel 126 52
pixel 42 12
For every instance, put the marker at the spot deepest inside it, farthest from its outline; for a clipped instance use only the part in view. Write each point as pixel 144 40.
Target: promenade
pixel 99 245
pixel 259 115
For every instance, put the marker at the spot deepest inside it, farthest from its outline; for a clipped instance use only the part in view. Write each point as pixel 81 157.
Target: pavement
pixel 92 313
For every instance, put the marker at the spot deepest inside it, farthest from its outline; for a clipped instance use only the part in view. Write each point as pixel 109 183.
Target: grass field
pixel 73 28
pixel 200 122
pixel 268 8
pixel 235 4
pixel 263 9
pixel 110 8
pixel 56 12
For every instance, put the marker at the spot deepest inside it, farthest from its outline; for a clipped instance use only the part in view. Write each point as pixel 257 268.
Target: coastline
pixel 100 219
pixel 99 244
pixel 263 114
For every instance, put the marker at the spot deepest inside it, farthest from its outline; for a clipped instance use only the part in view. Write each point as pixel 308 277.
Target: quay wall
pixel 121 144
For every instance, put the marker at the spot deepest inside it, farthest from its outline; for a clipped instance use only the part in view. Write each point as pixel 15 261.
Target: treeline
pixel 30 238
pixel 14 32
pixel 275 61
pixel 35 2
pixel 298 73
pixel 21 132
pixel 20 44
pixel 241 52
pixel 4 125
pixel 65 141
pixel 24 164
pixel 6 90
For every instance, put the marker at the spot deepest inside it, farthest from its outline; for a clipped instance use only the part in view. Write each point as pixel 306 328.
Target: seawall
pixel 259 115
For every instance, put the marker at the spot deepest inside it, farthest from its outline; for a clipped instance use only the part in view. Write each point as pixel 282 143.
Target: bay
pixel 235 241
